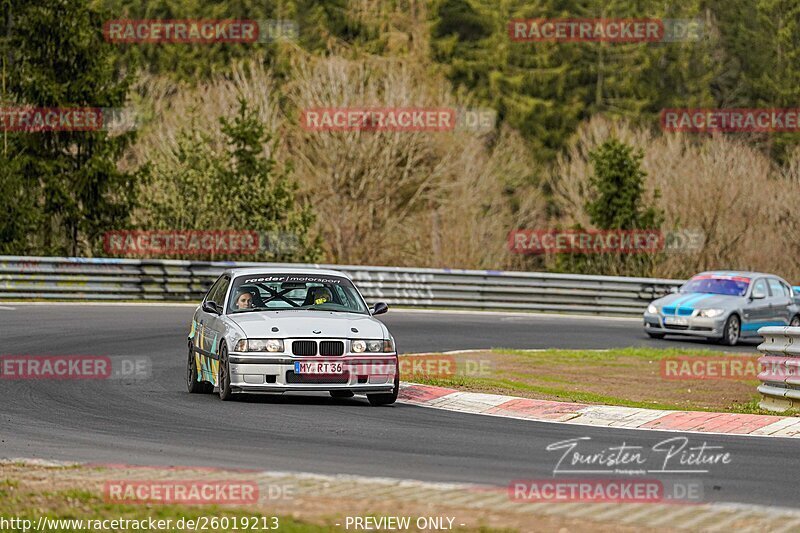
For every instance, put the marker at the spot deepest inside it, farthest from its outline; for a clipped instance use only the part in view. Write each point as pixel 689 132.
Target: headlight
pixel 373 346
pixel 358 346
pixel 259 345
pixel 711 313
pixel 652 309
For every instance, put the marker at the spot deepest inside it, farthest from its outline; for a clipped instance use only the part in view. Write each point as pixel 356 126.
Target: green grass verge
pixel 629 366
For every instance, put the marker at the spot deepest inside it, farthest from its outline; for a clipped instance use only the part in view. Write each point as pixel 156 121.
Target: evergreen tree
pixel 618 203
pixel 619 182
pixel 778 85
pixel 238 188
pixel 57 57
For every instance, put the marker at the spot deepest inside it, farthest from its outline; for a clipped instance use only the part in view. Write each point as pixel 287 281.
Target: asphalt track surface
pixel 155 422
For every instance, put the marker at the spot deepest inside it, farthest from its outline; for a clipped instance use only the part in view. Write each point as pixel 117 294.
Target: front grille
pixel 331 348
pixel 304 347
pixel 675 326
pixel 328 379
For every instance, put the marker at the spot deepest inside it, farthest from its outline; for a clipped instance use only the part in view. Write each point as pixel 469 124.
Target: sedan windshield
pixel 277 292
pixel 731 286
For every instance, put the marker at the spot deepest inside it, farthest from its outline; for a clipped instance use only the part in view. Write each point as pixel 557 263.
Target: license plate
pixel 318 368
pixel 676 321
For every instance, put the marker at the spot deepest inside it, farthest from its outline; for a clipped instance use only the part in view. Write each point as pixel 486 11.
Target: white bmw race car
pixel 274 330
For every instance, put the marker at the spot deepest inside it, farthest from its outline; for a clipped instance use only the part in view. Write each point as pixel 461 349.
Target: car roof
pixel 253 271
pixel 739 273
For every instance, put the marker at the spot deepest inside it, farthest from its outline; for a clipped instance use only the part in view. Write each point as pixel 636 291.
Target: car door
pixel 757 309
pixel 214 326
pixel 779 302
pixel 207 331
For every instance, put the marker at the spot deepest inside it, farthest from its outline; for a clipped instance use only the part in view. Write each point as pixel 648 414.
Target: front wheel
pixel 730 334
pixel 386 398
pixel 224 375
pixel 655 335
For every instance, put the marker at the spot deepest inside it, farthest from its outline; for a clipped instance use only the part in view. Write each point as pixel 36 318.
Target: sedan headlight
pixel 259 345
pixel 652 309
pixel 358 346
pixel 710 313
pixel 373 346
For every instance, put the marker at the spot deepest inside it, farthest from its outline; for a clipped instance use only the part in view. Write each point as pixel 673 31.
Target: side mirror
pixel 379 308
pixel 758 296
pixel 211 307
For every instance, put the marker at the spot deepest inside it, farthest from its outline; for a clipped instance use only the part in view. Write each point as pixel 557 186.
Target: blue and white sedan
pixel 725 306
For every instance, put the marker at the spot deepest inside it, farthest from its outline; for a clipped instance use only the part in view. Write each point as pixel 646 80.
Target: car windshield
pixel 732 286
pixel 278 292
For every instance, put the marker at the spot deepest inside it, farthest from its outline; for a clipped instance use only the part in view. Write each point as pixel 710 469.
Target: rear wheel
pixel 731 331
pixel 386 398
pixel 192 384
pixel 224 375
pixel 795 321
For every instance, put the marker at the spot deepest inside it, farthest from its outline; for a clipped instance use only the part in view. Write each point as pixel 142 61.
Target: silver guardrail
pixel 67 278
pixel 779 368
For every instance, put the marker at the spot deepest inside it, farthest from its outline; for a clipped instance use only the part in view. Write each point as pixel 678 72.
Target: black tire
pixel 386 398
pixel 224 375
pixel 192 384
pixel 732 331
pixel 795 322
pixel 655 335
pixel 342 393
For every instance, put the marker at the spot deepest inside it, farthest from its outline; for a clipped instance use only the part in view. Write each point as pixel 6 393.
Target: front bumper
pixel 262 373
pixel 695 326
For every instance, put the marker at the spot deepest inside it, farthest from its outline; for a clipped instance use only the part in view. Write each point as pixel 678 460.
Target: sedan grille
pixel 331 348
pixel 304 347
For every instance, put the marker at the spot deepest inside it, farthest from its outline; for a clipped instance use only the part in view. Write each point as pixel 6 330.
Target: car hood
pixel 304 324
pixel 685 303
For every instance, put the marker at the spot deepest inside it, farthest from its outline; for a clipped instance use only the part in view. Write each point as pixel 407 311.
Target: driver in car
pixel 322 295
pixel 244 300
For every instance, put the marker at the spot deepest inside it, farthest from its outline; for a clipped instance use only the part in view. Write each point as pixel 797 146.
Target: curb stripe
pixel 599 415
